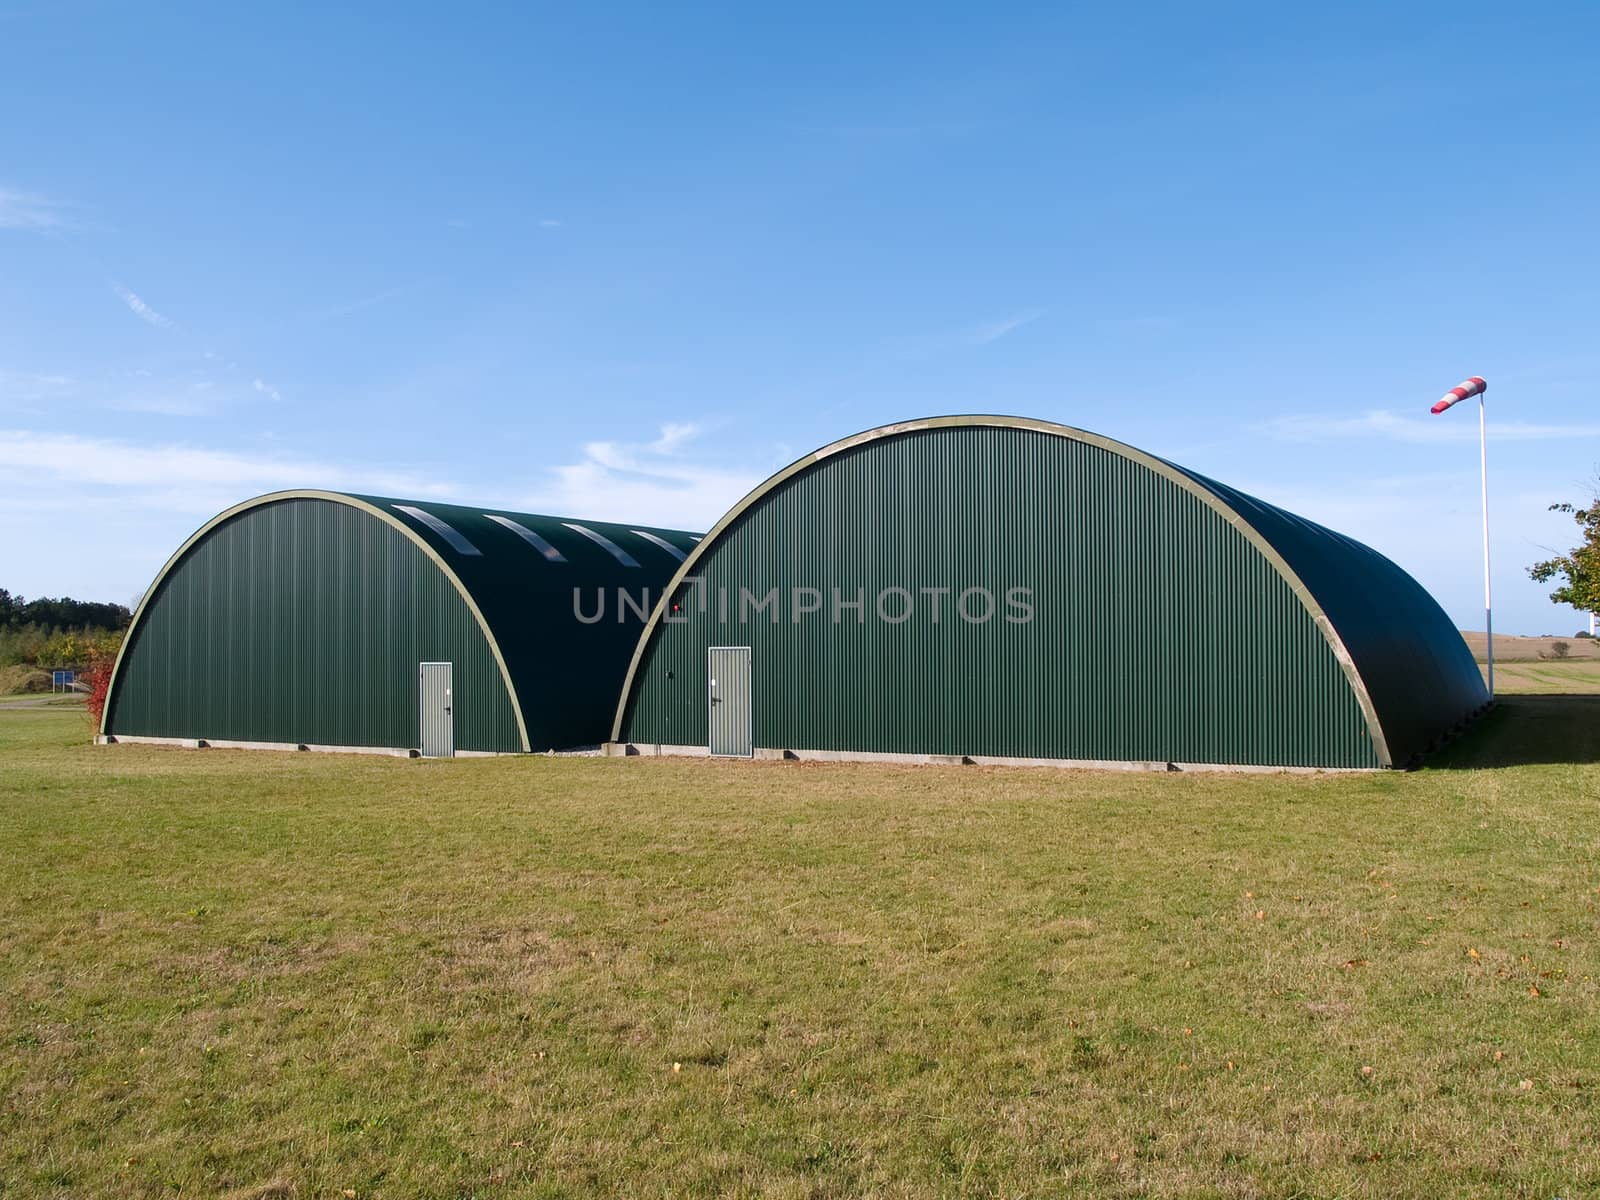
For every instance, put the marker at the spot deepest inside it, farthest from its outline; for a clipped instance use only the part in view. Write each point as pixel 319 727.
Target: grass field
pixel 1512 648
pixel 1547 678
pixel 272 975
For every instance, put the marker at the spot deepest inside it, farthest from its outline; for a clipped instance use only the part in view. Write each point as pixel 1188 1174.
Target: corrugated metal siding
pixel 1159 632
pixel 304 621
pixel 1416 667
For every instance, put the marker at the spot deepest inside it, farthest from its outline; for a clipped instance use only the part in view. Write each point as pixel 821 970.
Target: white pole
pixel 1488 600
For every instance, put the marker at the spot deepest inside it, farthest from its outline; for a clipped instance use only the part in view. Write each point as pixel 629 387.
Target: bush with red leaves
pixel 102 660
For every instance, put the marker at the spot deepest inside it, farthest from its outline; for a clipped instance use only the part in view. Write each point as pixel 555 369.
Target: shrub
pixel 1560 649
pixel 102 660
pixel 77 648
pixel 21 678
pixel 22 643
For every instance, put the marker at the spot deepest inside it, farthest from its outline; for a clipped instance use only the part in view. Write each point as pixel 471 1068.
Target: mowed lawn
pixel 255 974
pixel 1556 676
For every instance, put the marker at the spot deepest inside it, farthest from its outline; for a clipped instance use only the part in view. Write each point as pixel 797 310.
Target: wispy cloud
pixel 194 398
pixel 31 391
pixel 173 384
pixel 25 210
pixel 187 477
pixel 979 333
pixel 97 516
pixel 1394 427
pixel 985 332
pixel 139 308
pixel 196 392
pixel 647 481
pixel 550 223
pixel 673 436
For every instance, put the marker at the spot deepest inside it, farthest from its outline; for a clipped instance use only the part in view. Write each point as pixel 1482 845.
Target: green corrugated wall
pixel 1160 633
pixel 303 620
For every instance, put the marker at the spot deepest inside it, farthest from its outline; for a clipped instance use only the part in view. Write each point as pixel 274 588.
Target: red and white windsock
pixel 1472 387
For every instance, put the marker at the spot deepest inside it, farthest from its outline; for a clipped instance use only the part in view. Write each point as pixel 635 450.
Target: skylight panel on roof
pixel 550 553
pixel 457 543
pixel 605 543
pixel 662 542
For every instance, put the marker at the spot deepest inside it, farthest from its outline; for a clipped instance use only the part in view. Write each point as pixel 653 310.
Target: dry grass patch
pixel 297 975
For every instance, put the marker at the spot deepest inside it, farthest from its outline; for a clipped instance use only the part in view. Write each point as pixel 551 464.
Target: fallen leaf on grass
pixel 1472 953
pixel 1525 1086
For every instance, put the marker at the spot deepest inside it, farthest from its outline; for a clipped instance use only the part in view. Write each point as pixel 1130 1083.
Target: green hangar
pixel 1008 590
pixel 323 620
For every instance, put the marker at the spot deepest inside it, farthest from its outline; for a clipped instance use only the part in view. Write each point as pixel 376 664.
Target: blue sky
pixel 623 262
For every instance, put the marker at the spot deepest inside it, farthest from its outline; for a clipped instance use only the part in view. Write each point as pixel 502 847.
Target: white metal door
pixel 438 710
pixel 728 701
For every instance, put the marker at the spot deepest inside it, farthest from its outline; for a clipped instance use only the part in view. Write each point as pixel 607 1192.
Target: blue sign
pixel 62 678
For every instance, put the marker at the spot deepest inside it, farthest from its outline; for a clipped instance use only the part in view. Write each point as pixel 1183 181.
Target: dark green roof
pixel 521 571
pixel 1417 670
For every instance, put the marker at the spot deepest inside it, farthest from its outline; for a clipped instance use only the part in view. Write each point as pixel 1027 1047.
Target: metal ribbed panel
pixel 304 621
pixel 728 695
pixel 1159 631
pixel 436 737
pixel 1415 666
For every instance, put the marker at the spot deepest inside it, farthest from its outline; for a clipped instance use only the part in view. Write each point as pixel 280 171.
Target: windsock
pixel 1472 387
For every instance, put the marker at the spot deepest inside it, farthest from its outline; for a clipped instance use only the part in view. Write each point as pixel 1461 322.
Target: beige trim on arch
pixel 335 498
pixel 1341 653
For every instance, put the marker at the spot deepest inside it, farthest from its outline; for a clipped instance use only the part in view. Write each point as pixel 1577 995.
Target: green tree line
pixel 62 632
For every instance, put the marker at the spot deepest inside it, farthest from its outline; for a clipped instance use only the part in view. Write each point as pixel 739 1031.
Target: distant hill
pixel 1529 649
